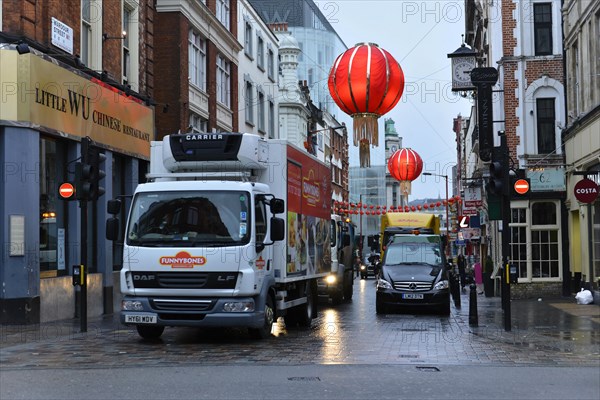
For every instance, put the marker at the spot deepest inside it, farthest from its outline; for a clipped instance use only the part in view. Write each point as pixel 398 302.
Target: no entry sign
pixel 521 186
pixel 586 191
pixel 66 190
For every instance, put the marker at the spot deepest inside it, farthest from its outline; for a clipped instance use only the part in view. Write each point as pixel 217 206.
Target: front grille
pixel 412 286
pixel 184 280
pixel 190 305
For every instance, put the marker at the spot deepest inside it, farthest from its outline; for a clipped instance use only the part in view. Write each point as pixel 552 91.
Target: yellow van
pixel 397 223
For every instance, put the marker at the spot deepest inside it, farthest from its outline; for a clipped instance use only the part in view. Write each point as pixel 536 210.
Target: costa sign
pixel 586 191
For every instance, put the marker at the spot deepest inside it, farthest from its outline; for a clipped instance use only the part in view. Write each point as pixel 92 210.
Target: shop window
pixel 535 246
pixel 52 241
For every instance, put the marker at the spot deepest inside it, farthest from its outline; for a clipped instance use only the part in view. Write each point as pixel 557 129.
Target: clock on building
pixel 463 62
pixel 393 149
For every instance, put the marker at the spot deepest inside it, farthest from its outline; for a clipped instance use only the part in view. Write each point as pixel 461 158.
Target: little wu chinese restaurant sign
pixel 40 93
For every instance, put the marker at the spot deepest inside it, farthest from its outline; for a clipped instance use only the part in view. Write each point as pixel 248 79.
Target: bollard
pixel 455 289
pixel 473 319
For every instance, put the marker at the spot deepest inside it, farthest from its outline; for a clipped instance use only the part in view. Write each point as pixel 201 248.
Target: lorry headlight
pixel 383 284
pixel 132 305
pixel 239 306
pixel 330 279
pixel 441 285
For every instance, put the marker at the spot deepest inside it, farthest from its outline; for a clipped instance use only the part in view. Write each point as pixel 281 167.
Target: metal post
pixel 83 254
pixel 506 234
pixel 447 220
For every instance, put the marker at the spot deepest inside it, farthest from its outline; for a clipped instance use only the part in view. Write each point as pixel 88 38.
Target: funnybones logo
pixel 311 190
pixel 183 259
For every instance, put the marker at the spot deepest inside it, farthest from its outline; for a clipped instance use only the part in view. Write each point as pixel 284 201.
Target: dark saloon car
pixel 413 276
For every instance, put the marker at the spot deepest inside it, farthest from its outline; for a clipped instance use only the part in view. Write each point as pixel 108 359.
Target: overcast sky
pixel 419 34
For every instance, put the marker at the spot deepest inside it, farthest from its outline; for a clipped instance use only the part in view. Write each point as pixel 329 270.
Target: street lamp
pixel 447 220
pixel 360 222
pixel 309 145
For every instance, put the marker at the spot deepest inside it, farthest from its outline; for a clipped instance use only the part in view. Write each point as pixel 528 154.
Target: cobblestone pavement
pixel 552 332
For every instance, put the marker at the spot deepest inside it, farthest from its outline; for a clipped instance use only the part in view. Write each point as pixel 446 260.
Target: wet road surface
pixel 544 333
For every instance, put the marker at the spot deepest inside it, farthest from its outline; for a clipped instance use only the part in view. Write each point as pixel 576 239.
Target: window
pixel 52 240
pixel 260 219
pixel 541 239
pixel 198 123
pixel 223 81
pixel 518 240
pixel 197 60
pixel 546 131
pixel 249 103
pixel 544 240
pixel 223 12
pixel 271 64
pixel 248 38
pixel 126 55
pixel 86 31
pixel 260 53
pixel 542 27
pixel 261 111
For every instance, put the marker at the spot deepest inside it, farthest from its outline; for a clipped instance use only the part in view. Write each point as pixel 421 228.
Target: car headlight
pixel 383 284
pixel 132 305
pixel 441 285
pixel 239 306
pixel 330 279
pixel 363 267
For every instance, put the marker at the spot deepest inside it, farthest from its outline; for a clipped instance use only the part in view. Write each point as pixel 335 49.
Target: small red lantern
pixel 438 204
pixel 366 82
pixel 419 207
pixel 425 206
pixel 405 165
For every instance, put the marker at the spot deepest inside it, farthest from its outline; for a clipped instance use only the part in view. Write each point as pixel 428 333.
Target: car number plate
pixel 141 318
pixel 413 296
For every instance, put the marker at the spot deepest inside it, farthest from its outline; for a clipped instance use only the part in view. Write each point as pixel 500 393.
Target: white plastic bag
pixel 584 297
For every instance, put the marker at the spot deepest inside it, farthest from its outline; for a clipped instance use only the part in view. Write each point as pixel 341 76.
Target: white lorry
pixel 204 246
pixel 339 284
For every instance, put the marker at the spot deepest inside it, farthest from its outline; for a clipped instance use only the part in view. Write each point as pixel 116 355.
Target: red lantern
pixel 419 207
pixel 366 82
pixel 425 206
pixel 405 165
pixel 406 208
pixel 438 204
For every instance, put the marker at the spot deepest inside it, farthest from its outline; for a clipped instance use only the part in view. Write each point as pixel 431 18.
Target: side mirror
pixel 277 206
pixel 277 229
pixel 345 240
pixel 113 206
pixel 112 229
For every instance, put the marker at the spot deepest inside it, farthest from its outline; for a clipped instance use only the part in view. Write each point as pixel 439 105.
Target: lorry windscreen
pixel 189 219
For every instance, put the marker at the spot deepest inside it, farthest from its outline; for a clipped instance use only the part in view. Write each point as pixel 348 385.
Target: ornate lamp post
pixel 447 219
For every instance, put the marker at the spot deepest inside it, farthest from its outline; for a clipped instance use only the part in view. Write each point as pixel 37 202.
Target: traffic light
pixel 88 172
pixel 96 159
pixel 495 183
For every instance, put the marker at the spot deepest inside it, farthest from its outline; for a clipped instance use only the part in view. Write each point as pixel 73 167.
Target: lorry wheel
pixel 149 331
pixel 265 331
pixel 337 297
pixel 305 315
pixel 348 288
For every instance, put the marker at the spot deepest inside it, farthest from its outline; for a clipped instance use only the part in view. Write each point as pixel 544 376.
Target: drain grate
pixel 429 369
pixel 304 378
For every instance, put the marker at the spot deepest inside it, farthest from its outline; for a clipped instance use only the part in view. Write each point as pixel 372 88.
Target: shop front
pixel 45 110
